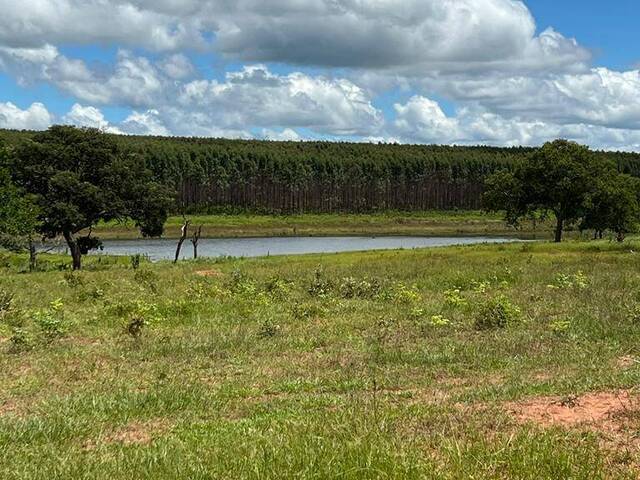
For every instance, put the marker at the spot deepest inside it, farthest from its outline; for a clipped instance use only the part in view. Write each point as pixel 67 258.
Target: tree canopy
pixel 79 177
pixel 567 180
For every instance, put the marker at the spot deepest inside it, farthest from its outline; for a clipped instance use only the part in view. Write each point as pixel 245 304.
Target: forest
pixel 220 175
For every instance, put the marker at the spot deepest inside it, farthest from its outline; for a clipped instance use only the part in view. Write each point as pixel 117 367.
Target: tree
pixel 558 178
pixel 18 215
pixel 614 206
pixel 80 177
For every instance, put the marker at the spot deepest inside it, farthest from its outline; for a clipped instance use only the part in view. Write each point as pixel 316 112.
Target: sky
pixel 493 72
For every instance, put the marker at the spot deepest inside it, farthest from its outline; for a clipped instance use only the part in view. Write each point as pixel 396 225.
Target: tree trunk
pixel 559 229
pixel 74 248
pixel 33 259
pixel 183 237
pixel 196 238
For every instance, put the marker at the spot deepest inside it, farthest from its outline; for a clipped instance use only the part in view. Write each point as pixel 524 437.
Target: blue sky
pixel 498 72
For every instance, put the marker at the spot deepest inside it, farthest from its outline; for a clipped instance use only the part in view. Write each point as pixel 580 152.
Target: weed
pixel 496 313
pixel 51 321
pixel 73 279
pixel 147 278
pixel 306 311
pixel 320 285
pixel 6 303
pixel 560 326
pixel 454 298
pixel 135 261
pixel 439 321
pixel 269 328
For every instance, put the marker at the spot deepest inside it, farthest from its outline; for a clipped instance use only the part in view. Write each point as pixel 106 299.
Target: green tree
pixel 558 178
pixel 614 206
pixel 80 177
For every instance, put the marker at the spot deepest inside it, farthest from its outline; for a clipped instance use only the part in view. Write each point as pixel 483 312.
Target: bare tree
pixel 183 237
pixel 195 239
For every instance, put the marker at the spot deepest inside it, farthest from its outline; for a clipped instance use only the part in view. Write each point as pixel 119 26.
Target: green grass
pixel 390 223
pixel 317 366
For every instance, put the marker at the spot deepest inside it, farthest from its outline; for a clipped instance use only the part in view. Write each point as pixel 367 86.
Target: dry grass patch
pixel 135 433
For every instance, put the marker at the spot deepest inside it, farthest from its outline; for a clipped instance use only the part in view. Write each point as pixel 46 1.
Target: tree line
pixel 61 183
pixel 214 175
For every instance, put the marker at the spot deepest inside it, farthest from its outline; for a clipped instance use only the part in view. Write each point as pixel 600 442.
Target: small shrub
pixel 21 340
pixel 353 288
pixel 496 313
pixel 51 321
pixel 439 321
pixel 405 294
pixel 6 302
pixel 560 326
pixel 147 278
pixel 454 298
pixel 241 283
pixel 563 281
pixel 139 315
pixel 135 261
pixel 268 329
pixel 306 311
pixel 320 285
pixel 73 279
pixel 278 288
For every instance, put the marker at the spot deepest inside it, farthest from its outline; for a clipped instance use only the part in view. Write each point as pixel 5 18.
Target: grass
pixel 390 223
pixel 359 365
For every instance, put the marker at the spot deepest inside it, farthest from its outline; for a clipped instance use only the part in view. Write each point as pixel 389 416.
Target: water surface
pixel 164 249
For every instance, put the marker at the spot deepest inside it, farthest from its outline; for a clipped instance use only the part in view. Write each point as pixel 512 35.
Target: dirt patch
pixel 9 407
pixel 626 362
pixel 135 433
pixel 209 273
pixel 593 408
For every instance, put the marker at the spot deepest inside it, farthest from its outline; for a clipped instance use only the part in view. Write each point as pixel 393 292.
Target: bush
pixel 320 285
pixel 6 302
pixel 496 313
pixel 51 321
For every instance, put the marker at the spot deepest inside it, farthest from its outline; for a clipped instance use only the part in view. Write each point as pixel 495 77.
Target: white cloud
pixel 422 120
pixel 286 135
pixel 36 117
pixel 257 97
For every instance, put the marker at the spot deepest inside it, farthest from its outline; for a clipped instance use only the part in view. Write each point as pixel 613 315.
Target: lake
pixel 164 249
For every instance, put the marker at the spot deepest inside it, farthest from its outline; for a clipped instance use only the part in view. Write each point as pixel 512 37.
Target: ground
pixel 491 361
pixel 388 223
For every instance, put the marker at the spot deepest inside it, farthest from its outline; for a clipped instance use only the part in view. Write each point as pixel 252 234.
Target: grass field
pixel 511 361
pixel 398 223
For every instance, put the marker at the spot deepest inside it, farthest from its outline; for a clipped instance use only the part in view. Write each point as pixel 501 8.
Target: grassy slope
pixel 345 388
pixel 393 223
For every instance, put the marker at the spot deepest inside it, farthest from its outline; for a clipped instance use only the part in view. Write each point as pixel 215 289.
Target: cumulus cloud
pixel 422 120
pixel 255 96
pixel 414 35
pixel 36 117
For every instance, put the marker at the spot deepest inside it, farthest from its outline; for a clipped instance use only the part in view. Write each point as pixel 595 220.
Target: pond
pixel 164 249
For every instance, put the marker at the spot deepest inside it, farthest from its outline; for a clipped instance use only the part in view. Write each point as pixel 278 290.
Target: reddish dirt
pixel 599 409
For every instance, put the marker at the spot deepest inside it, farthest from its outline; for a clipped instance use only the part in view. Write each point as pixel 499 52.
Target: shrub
pixel 51 321
pixel 147 278
pixel 496 313
pixel 135 261
pixel 306 311
pixel 353 288
pixel 454 298
pixel 440 321
pixel 138 316
pixel 320 285
pixel 268 329
pixel 73 280
pixel 6 302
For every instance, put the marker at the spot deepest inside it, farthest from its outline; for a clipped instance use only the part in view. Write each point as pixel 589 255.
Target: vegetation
pixel 79 177
pixel 403 364
pixel 239 176
pixel 18 214
pixel 567 180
